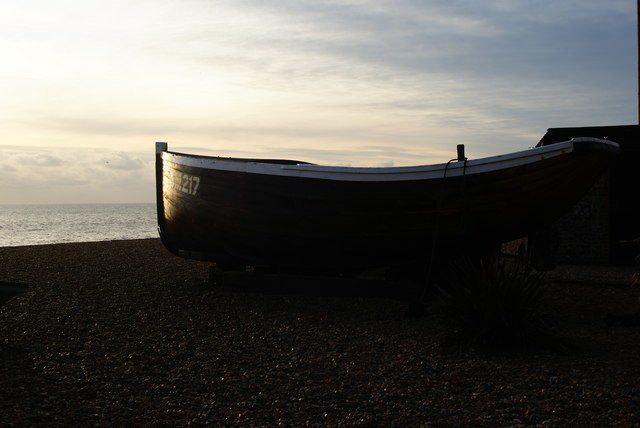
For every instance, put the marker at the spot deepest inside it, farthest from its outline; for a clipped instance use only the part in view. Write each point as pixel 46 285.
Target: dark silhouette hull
pixel 288 214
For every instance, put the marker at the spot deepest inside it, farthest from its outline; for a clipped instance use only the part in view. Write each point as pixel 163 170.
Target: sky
pixel 87 87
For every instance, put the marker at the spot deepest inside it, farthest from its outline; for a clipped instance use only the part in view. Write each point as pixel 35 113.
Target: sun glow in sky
pixel 87 87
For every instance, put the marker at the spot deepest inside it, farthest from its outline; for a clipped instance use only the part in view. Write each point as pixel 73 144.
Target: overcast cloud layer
pixel 88 86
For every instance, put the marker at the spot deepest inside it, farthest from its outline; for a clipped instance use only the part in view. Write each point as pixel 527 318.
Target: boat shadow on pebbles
pixel 8 290
pixel 312 285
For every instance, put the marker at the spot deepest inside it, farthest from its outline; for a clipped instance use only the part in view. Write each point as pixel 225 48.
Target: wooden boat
pixel 286 213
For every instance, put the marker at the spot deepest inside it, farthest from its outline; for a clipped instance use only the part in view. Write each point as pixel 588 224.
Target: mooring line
pixel 437 221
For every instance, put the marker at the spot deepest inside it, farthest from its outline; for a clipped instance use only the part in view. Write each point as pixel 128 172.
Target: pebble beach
pixel 125 333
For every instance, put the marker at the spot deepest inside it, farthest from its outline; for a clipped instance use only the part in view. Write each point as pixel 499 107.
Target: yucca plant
pixel 495 303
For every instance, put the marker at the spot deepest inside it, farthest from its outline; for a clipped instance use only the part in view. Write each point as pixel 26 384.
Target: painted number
pixel 189 184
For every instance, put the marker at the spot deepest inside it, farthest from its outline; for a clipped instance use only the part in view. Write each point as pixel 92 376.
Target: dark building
pixel 604 226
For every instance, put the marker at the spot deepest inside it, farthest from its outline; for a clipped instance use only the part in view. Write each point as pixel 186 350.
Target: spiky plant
pixel 495 303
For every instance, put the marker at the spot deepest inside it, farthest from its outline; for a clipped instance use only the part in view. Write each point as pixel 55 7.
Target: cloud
pixel 122 161
pixel 300 39
pixel 41 159
pixel 386 163
pixel 358 82
pixel 82 177
pixel 518 66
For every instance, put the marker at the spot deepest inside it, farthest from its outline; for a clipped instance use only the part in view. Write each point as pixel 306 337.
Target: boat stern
pixel 595 145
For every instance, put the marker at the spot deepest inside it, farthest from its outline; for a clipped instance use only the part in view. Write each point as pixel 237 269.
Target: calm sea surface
pixel 49 224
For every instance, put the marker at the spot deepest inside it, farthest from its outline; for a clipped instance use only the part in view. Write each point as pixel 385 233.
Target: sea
pixel 52 224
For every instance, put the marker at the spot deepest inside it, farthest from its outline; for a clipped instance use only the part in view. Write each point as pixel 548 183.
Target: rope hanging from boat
pixel 438 209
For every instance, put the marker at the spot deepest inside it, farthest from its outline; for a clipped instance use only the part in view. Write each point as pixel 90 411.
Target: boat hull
pixel 293 221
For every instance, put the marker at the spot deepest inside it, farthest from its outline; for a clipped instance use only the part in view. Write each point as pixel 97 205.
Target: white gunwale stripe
pixel 401 173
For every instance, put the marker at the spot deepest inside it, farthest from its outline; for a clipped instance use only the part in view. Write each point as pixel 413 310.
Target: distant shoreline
pixel 42 224
pixel 54 204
